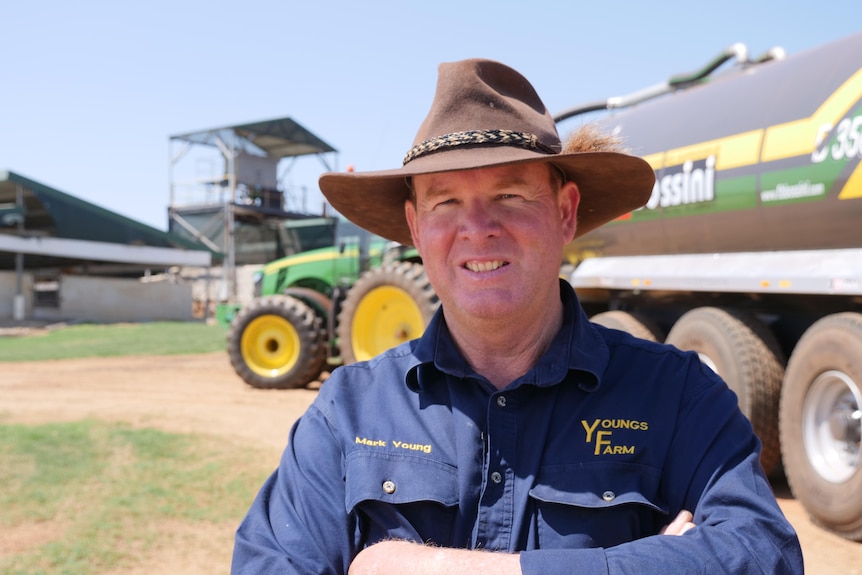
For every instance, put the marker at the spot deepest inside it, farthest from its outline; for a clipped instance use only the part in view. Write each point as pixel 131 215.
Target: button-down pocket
pixel 597 504
pixel 401 496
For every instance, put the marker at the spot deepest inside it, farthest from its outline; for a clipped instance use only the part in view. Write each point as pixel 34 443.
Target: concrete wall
pixel 8 289
pixel 102 300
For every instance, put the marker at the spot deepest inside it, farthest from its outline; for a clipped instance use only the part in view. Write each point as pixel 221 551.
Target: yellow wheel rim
pixel 385 317
pixel 270 346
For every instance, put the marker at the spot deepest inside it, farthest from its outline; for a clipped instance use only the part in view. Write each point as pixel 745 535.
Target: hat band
pixel 478 137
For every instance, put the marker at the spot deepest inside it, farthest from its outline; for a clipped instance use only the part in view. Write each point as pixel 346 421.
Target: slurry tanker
pixel 750 251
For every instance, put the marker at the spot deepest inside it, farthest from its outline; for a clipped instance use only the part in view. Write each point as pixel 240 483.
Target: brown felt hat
pixel 487 114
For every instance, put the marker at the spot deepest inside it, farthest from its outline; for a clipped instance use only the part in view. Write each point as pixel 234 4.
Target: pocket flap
pixel 398 478
pixel 598 485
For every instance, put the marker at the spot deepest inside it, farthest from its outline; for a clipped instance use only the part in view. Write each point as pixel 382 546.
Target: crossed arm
pixel 398 557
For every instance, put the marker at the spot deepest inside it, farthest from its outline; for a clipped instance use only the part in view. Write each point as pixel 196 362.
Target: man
pixel 514 436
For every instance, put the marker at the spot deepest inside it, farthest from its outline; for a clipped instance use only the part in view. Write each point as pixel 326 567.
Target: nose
pixel 478 221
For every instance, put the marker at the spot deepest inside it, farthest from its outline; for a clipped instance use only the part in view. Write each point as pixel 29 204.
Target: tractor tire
pixel 743 351
pixel 387 306
pixel 821 423
pixel 320 303
pixel 323 308
pixel 631 323
pixel 276 342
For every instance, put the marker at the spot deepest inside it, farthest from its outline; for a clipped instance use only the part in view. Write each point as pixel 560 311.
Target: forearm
pixel 399 557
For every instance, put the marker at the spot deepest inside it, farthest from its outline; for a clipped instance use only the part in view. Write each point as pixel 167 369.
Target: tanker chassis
pixel 750 253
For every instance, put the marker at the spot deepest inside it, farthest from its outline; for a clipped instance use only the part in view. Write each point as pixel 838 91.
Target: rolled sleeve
pixel 564 562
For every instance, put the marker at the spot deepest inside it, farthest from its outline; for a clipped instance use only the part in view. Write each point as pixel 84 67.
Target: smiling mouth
pixel 485 266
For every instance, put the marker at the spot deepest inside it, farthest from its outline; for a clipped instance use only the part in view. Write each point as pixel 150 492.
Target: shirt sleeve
pixel 298 522
pixel 713 469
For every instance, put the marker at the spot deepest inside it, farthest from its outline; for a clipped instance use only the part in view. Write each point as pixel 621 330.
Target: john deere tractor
pixel 333 305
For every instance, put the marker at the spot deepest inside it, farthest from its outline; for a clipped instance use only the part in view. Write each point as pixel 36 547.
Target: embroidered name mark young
pixel 600 434
pixel 423 447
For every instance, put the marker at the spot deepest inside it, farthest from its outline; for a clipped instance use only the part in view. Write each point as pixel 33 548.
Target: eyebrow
pixel 507 180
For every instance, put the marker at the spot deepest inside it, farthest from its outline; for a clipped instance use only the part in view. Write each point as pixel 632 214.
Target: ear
pixel 410 213
pixel 568 199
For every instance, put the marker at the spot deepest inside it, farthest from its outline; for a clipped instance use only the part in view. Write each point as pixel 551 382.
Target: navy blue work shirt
pixel 577 464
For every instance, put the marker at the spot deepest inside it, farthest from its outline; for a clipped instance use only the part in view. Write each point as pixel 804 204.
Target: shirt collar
pixel 576 347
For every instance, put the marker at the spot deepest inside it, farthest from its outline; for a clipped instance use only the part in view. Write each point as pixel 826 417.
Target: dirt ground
pixel 201 393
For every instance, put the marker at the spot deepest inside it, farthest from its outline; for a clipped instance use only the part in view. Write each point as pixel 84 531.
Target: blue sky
pixel 93 90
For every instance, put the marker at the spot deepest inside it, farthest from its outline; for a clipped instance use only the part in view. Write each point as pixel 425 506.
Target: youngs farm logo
pixel 600 435
pixel 692 182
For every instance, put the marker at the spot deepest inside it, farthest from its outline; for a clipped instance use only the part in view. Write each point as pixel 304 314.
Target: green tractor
pixel 323 307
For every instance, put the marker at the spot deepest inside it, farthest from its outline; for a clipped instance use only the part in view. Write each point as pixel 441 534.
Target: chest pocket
pixel 401 496
pixel 599 504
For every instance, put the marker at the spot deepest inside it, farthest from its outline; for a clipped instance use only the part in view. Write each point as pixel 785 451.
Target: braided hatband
pixel 478 137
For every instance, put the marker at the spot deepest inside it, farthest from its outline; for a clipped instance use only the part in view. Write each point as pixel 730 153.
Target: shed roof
pixel 279 138
pixel 50 213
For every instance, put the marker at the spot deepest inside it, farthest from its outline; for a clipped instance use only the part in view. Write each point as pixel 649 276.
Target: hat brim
pixel 611 184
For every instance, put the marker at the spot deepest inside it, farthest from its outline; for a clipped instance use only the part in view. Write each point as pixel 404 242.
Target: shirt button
pixel 389 487
pixel 501 401
pixel 496 477
pixel 609 496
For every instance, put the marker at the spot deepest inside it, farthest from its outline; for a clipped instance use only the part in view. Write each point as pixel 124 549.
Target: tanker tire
pixel 820 424
pixel 276 342
pixel 629 322
pixel 743 351
pixel 387 305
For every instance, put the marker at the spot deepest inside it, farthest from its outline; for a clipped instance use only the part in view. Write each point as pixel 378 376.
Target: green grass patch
pixel 105 340
pixel 100 493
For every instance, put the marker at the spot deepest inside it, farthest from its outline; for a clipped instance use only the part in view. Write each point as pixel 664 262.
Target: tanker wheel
pixel 742 350
pixel 276 342
pixel 821 423
pixel 632 323
pixel 387 306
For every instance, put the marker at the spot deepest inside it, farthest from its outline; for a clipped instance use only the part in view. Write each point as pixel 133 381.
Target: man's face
pixel 491 239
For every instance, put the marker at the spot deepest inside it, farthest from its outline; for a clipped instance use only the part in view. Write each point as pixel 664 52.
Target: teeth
pixel 484 266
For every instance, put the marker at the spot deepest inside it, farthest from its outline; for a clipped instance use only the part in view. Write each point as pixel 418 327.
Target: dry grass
pixel 93 498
